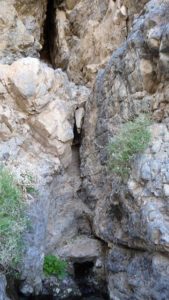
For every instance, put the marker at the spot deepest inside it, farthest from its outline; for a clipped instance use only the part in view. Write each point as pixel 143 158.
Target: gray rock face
pixel 137 275
pixel 3 284
pixel 132 214
pixel 60 289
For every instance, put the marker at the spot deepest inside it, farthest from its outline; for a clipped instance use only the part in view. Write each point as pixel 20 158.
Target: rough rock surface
pixel 132 214
pixel 3 284
pixel 60 289
pixel 37 118
pixel 137 275
pixel 21 29
pixel 41 118
pixel 87 33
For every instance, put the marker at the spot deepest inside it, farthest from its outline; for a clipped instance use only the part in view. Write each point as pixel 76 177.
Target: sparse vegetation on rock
pixel 55 266
pixel 12 220
pixel 132 138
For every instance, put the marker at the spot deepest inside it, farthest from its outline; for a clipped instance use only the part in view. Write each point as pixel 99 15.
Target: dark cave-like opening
pixel 83 276
pixel 77 137
pixel 49 32
pixel 83 269
pixel 86 279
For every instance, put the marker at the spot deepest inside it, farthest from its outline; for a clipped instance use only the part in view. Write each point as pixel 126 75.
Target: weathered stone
pixel 37 118
pixel 20 28
pixel 71 3
pixel 71 212
pixel 60 289
pixel 79 115
pixel 3 284
pixel 132 213
pixel 137 275
pixel 41 110
pixel 81 249
pixel 86 35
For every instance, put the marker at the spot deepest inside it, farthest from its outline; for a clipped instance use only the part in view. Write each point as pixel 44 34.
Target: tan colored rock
pixel 21 29
pixel 53 122
pixel 31 82
pixel 54 130
pixel 27 87
pixel 148 75
pixel 39 101
pixel 87 33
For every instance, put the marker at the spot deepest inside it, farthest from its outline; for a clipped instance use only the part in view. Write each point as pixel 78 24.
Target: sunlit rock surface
pixel 50 56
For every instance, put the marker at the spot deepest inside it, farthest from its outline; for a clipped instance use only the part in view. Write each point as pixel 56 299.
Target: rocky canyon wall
pixel 101 63
pixel 132 216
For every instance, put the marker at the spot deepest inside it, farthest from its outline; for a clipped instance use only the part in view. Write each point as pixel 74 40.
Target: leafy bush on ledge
pixel 12 221
pixel 133 138
pixel 54 266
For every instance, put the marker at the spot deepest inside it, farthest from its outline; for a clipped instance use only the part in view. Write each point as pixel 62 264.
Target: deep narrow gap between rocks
pixel 83 271
pixel 77 137
pixel 49 32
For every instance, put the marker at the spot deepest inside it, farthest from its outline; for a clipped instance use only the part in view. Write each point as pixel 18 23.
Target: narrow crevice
pixel 76 146
pixel 49 32
pixel 77 137
pixel 47 53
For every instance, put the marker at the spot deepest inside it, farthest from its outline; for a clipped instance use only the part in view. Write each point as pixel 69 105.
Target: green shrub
pixel 133 138
pixel 12 220
pixel 54 266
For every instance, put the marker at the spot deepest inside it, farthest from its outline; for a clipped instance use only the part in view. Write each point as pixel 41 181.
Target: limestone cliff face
pixel 50 55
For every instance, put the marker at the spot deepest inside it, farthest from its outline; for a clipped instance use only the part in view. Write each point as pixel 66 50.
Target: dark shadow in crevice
pixel 49 32
pixel 83 271
pixel 84 277
pixel 77 137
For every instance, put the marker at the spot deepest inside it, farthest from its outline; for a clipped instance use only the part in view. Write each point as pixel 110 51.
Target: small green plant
pixel 12 220
pixel 133 138
pixel 54 266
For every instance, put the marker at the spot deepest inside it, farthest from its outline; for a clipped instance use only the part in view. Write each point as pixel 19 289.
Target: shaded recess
pixel 83 271
pixel 49 31
pixel 77 137
pixel 84 277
